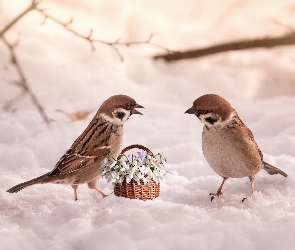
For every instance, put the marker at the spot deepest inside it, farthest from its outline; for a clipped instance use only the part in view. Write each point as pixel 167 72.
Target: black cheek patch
pixel 210 120
pixel 120 115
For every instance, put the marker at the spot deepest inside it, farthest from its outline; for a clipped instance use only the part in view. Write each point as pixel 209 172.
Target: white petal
pixel 144 180
pixel 128 178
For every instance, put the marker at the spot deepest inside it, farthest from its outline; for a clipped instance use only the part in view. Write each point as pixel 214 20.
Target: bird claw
pixel 245 198
pixel 106 195
pixel 213 195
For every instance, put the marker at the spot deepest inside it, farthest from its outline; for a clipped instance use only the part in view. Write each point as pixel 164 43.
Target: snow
pixel 65 74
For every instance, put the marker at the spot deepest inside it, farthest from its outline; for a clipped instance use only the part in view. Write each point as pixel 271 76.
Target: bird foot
pixel 101 193
pixel 213 195
pixel 245 198
pixel 106 195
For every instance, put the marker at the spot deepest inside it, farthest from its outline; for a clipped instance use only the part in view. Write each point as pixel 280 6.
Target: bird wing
pixel 251 138
pixel 95 136
pixel 72 161
pixel 249 134
pixel 266 166
pixel 91 146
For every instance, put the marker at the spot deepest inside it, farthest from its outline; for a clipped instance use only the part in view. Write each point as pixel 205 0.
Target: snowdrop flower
pixel 165 164
pixel 124 165
pixel 140 167
pixel 150 173
pixel 104 162
pixel 136 178
pixel 145 180
pixel 131 171
pixel 135 164
pixel 109 179
pixel 121 179
pixel 129 178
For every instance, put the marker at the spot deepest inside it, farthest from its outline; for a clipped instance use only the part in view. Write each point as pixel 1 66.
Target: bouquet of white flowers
pixel 136 175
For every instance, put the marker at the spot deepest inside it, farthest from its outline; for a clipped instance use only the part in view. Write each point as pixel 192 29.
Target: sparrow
pixel 101 139
pixel 227 143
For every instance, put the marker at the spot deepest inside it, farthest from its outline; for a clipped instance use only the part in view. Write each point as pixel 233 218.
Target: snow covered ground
pixel 65 74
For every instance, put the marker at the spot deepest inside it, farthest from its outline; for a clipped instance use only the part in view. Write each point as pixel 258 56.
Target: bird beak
pixel 190 111
pixel 134 111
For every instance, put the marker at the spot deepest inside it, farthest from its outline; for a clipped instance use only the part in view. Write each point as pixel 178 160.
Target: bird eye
pixel 211 120
pixel 127 106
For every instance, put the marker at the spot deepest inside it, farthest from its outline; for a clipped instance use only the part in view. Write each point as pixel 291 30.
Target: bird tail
pixel 19 187
pixel 273 170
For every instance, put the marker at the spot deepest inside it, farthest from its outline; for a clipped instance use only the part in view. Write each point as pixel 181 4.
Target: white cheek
pixel 126 117
pixel 115 120
pixel 108 119
pixel 211 115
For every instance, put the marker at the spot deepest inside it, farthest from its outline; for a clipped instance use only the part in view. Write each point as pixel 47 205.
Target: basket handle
pixel 137 146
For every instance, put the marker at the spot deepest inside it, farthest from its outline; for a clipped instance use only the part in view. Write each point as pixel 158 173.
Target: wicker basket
pixel 133 190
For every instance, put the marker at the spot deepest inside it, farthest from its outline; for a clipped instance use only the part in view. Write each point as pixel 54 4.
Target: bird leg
pixel 252 183
pixel 219 192
pixel 92 185
pixel 75 192
pixel 251 178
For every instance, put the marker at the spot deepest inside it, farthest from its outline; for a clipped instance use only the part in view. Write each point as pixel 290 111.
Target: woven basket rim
pixel 134 181
pixel 124 150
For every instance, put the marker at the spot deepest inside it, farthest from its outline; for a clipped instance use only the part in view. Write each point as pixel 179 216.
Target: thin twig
pixel 23 81
pixel 33 5
pixel 147 41
pixel 288 27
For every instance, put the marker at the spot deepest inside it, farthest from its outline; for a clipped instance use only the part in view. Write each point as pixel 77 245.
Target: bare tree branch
pixel 288 39
pixel 91 40
pixel 23 84
pixel 8 105
pixel 23 81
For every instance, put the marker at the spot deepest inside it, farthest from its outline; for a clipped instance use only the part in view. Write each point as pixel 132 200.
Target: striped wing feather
pixel 91 146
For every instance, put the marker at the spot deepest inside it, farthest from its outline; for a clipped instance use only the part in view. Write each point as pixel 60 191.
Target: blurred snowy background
pixel 65 74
